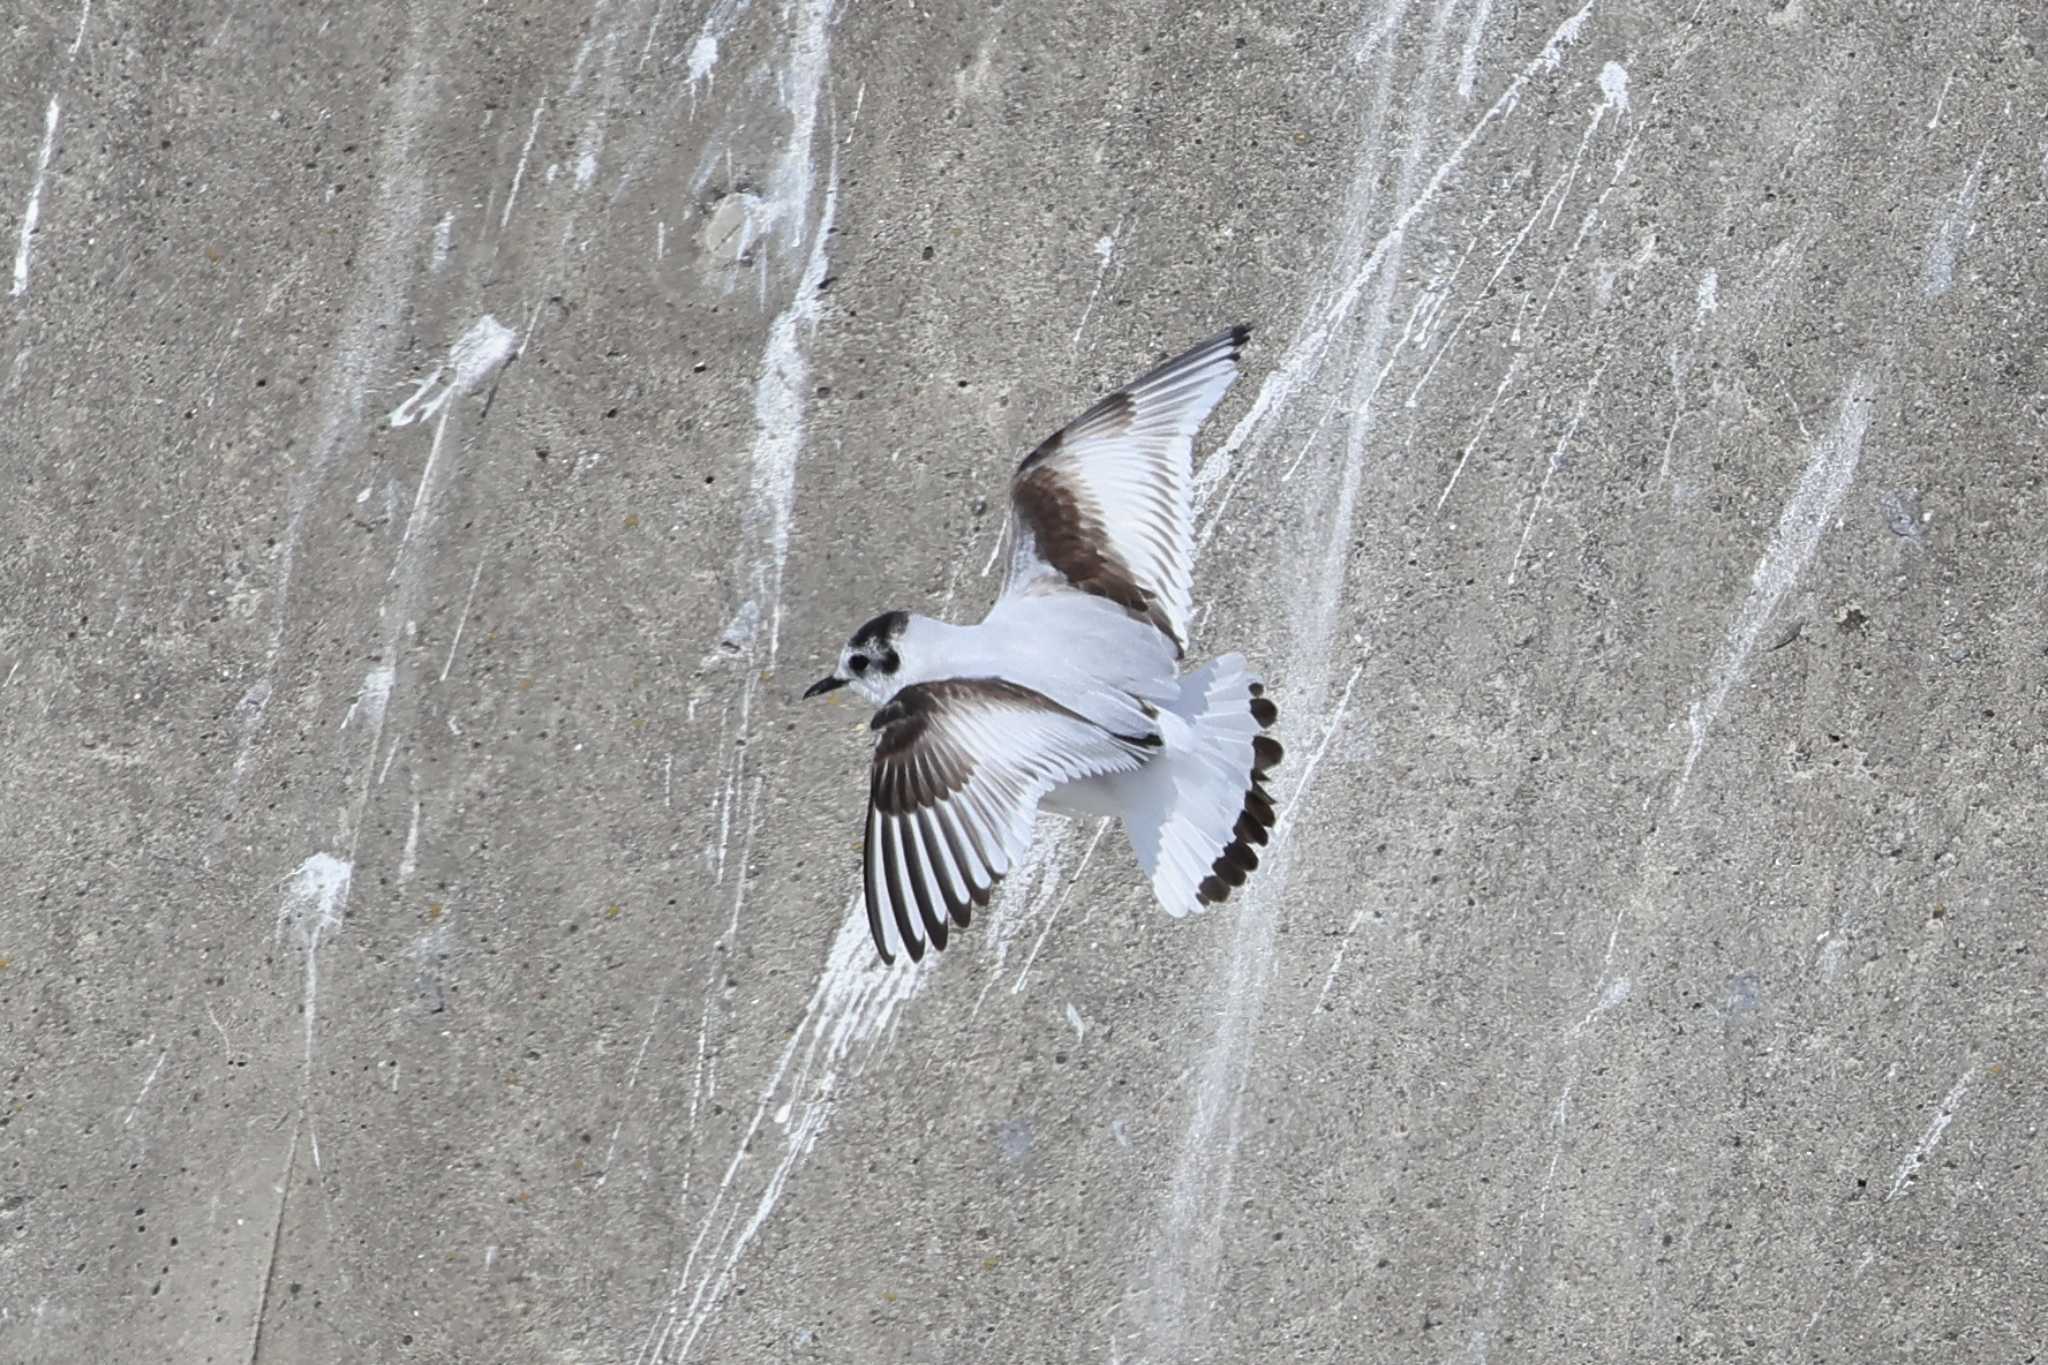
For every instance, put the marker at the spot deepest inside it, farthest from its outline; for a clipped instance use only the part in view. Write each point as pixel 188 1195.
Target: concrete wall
pixel 440 441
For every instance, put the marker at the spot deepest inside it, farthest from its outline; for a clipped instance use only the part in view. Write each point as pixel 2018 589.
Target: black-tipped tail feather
pixel 1255 821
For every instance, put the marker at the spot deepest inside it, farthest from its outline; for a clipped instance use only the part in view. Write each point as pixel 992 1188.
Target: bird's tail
pixel 1196 813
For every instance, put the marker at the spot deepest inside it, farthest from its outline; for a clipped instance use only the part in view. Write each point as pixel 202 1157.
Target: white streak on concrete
pixel 444 242
pixel 1186 1264
pixel 463 619
pixel 1550 470
pixel 1947 242
pixel 518 175
pixel 653 25
pixel 147 1082
pixel 1074 1021
pixel 1284 826
pixel 856 997
pixel 1305 354
pixel 1002 539
pixel 1025 972
pixel 1930 1139
pixel 78 39
pixel 1707 298
pixel 1792 545
pixel 1468 62
pixel 34 212
pixel 853 121
pixel 1592 214
pixel 1330 977
pixel 409 861
pixel 227 1048
pixel 1935 122
pixel 1514 367
pixel 779 402
pixel 376 694
pixel 370 699
pixel 1485 292
pixel 1023 897
pixel 855 1001
pixel 633 1079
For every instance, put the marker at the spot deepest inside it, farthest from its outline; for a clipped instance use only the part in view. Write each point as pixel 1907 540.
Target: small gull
pixel 1068 694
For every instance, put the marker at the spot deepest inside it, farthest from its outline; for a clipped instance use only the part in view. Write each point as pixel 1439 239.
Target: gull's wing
pixel 959 769
pixel 1104 506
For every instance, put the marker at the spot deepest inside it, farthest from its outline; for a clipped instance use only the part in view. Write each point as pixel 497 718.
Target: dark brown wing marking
pixel 958 768
pixel 1106 502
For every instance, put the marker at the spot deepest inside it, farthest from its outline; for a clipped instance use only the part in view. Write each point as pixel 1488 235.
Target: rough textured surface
pixel 441 443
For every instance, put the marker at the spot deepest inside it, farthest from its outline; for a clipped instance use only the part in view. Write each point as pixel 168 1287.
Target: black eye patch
pixel 858 663
pixel 890 663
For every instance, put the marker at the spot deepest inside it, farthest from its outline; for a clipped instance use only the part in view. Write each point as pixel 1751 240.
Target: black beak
pixel 822 686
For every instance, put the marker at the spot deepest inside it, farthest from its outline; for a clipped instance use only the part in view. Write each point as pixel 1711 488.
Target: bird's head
pixel 872 662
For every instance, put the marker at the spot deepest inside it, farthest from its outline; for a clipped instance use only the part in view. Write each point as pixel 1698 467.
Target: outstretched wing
pixel 958 772
pixel 1105 506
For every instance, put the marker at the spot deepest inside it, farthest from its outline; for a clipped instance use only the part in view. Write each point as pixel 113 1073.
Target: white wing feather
pixel 1106 505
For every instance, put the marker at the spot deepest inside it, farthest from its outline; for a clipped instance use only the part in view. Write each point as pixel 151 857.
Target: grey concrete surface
pixel 440 441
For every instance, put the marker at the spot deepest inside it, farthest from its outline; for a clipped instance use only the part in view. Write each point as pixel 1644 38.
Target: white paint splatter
pixel 1792 545
pixel 1707 298
pixel 1074 1022
pixel 78 39
pixel 1105 249
pixel 486 345
pixel 703 57
pixel 1929 1140
pixel 34 212
pixel 313 901
pixel 1614 88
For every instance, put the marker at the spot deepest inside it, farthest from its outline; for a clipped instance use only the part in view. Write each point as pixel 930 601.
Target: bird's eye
pixel 858 663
